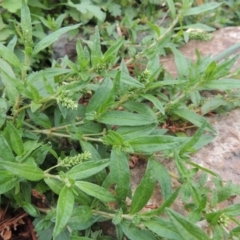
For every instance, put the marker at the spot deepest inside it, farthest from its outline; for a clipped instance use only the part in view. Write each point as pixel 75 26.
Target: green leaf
pixel 35 106
pixel 24 170
pixel 166 204
pixel 194 139
pixel 221 84
pixel 15 139
pixel 113 49
pixel 86 7
pixel 185 228
pixel 86 146
pixel 163 228
pixel 112 94
pixel 3 111
pixel 113 138
pixel 155 143
pixel 171 6
pixel 83 61
pixel 163 178
pixel 11 5
pixel 134 233
pixel 141 108
pixel 51 38
pixel 119 170
pixel 155 28
pixel 133 132
pixel 10 88
pixel 212 104
pixel 145 188
pixel 202 8
pixel 181 63
pixel 122 118
pixel 26 24
pixel 233 210
pixel 30 209
pixel 100 96
pixel 64 210
pixel 9 56
pixel 6 152
pixel 193 118
pixel 8 182
pixel 96 51
pixel 80 215
pixel 40 119
pixel 155 102
pixel 55 184
pixel 96 191
pixel 87 169
pixel 130 81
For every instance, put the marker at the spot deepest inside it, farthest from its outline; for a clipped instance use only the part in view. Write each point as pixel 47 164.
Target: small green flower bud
pixel 196 34
pixel 143 78
pixel 71 161
pixel 223 220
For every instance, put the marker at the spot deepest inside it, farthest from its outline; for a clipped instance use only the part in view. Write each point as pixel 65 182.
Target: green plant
pixel 68 132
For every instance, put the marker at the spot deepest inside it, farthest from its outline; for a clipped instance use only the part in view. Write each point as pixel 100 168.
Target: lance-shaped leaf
pixel 56 185
pixel 95 191
pixel 15 139
pixel 96 52
pixel 193 118
pixel 181 62
pixel 171 5
pixel 64 210
pixel 194 139
pixel 87 169
pixel 83 60
pixel 221 84
pixel 51 38
pixel 202 8
pixel 212 104
pixel 122 118
pixel 100 96
pixel 86 146
pixel 112 94
pixel 119 170
pixel 135 233
pixel 154 143
pixel 80 215
pixel 185 228
pixel 145 188
pixel 233 210
pixel 26 24
pixel 155 102
pixel 163 228
pixel 24 170
pixel 6 152
pixel 165 204
pixel 9 56
pixel 130 81
pixel 163 178
pixel 133 132
pixel 7 182
pixel 113 49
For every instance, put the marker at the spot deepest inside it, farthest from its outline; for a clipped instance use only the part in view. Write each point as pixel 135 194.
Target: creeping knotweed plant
pixel 76 153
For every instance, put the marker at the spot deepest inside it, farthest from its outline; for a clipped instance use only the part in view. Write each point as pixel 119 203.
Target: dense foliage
pixel 69 127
